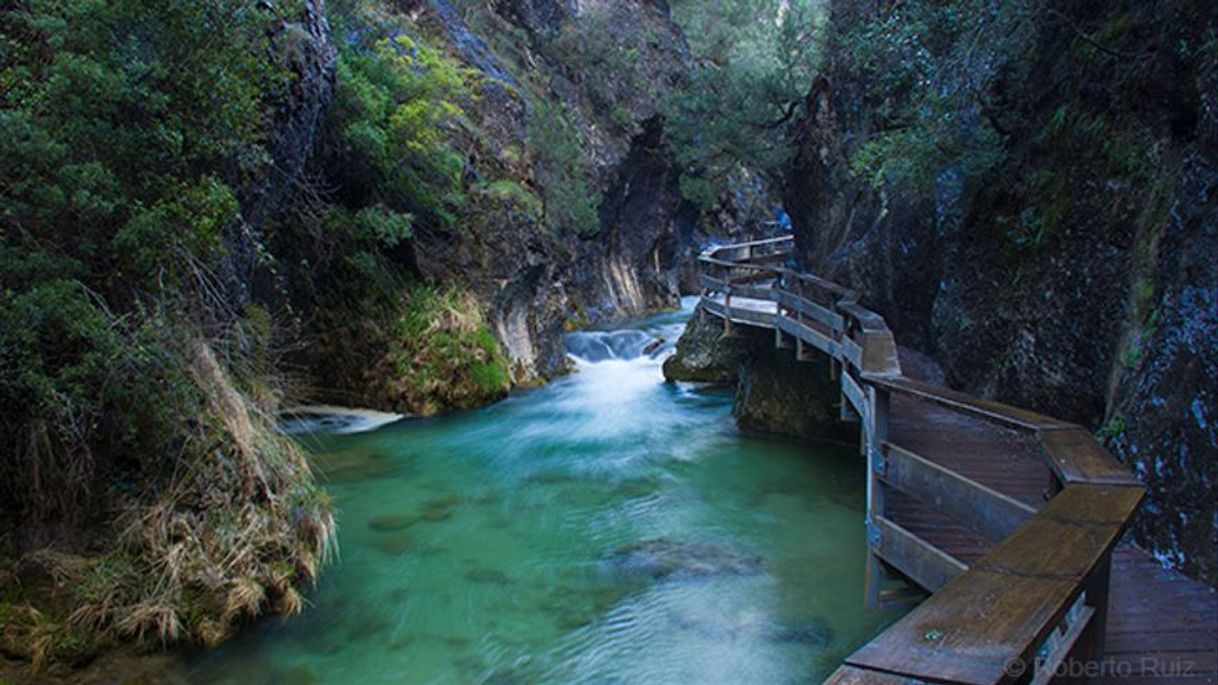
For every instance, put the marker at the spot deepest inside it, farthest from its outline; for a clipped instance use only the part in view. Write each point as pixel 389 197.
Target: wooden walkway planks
pixel 1162 627
pixel 948 475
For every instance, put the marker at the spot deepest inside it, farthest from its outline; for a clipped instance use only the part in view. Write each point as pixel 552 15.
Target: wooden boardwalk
pixel 1009 520
pixel 1162 627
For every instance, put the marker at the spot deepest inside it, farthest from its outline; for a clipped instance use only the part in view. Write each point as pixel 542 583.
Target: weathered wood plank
pixel 712 307
pixel 997 412
pixel 880 353
pixel 1070 536
pixel 851 352
pixel 1076 457
pixel 807 334
pixel 713 284
pixel 925 564
pixel 971 629
pixel 851 675
pixel 1007 603
pixel 853 393
pixel 867 320
pixel 811 309
pixel 747 315
pixel 756 292
pixel 984 509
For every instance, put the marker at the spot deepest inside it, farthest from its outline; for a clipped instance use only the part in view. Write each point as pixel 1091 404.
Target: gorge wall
pixel 571 209
pixel 1028 195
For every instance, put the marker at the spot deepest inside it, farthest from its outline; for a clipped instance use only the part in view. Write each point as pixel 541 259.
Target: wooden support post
pixel 875 434
pixel 727 304
pixel 1090 645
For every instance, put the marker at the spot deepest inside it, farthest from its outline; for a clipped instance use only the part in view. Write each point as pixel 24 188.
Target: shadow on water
pixel 606 528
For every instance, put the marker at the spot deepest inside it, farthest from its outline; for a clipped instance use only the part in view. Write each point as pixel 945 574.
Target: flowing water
pixel 608 528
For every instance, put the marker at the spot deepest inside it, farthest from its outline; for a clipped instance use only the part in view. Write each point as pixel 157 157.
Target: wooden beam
pixel 1077 457
pixel 880 353
pixel 746 315
pixel 1070 536
pixel 712 283
pixel 925 564
pixel 755 292
pixel 995 412
pixel 984 509
pixel 853 393
pixel 802 331
pixel 813 310
pixel 1005 606
pixel 851 675
pixel 971 629
pixel 714 308
pixel 851 352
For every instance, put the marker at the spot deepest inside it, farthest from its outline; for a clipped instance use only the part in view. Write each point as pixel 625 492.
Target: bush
pixel 441 355
pixel 390 126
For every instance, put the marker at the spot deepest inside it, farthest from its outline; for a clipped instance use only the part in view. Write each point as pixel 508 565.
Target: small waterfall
pixel 599 346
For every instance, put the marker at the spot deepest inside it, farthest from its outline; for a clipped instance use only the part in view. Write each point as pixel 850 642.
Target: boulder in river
pixel 664 559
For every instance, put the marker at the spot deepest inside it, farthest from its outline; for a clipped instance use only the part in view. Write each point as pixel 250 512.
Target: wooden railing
pixel 1040 595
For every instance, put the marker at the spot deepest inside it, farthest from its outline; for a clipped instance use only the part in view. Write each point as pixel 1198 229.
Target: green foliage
pixel 755 61
pixel 186 224
pixel 561 172
pixel 442 354
pixel 394 108
pixel 128 128
pixel 125 124
pixel 384 226
pixel 512 193
pixel 931 68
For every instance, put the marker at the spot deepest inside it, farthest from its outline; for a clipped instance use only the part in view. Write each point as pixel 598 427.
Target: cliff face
pixel 532 281
pixel 303 47
pixel 572 211
pixel 775 393
pixel 1052 246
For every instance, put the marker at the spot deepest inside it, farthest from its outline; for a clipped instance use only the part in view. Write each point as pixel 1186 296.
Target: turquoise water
pixel 608 528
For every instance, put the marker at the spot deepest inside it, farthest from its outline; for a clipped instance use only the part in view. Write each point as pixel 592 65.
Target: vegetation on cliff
pixel 208 208
pixel 146 497
pixel 1021 153
pixel 754 60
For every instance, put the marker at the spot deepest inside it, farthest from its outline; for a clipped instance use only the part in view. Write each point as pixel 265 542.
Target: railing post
pixel 875 434
pixel 727 302
pixel 1090 645
pixel 800 354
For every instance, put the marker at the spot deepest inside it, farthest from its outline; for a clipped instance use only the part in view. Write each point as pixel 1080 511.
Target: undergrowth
pixel 441 355
pixel 147 499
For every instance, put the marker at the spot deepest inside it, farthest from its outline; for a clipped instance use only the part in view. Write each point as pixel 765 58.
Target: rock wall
pixel 536 284
pixel 1074 278
pixel 775 393
pixel 303 45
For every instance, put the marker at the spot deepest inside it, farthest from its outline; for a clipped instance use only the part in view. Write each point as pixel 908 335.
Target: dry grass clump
pixel 236 530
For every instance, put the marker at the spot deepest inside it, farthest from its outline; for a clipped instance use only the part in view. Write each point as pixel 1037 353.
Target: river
pixel 606 528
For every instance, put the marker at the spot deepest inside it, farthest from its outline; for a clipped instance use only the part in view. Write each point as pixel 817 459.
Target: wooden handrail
pixel 1041 592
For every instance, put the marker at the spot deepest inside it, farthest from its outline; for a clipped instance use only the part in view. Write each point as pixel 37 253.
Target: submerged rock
pixel 350 466
pixel 439 509
pixel 663 559
pixel 815 632
pixel 392 522
pixel 393 545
